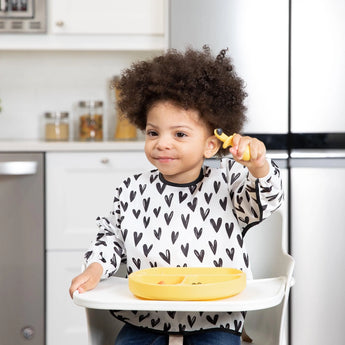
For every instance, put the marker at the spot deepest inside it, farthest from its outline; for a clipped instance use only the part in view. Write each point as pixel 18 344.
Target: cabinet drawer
pixel 79 188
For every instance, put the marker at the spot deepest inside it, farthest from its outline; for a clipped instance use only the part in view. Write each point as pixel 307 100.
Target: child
pixel 184 213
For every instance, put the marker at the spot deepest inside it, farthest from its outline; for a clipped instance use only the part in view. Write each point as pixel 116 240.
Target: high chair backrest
pixel 267 247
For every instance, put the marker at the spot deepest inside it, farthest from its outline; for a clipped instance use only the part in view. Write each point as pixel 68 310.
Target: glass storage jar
pixel 56 126
pixel 90 120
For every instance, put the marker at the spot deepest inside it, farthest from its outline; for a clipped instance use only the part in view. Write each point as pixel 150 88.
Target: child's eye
pixel 151 133
pixel 181 134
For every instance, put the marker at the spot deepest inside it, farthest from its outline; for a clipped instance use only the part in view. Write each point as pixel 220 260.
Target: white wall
pixel 33 82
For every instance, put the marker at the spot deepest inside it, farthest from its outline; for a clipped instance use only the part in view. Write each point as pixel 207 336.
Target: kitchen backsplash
pixel 34 82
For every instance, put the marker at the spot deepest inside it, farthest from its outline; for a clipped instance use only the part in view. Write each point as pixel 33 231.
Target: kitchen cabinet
pixel 79 187
pixel 107 17
pixel 103 25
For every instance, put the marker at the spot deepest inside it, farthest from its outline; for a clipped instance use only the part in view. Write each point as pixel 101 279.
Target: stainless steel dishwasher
pixel 22 248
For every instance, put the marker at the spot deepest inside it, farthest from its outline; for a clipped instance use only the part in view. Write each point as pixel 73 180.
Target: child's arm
pixel 258 164
pixel 87 280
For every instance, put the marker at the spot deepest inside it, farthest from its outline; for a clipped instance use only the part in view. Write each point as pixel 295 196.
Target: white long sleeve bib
pixel 203 223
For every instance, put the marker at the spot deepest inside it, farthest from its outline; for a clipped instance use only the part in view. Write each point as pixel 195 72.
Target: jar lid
pixel 56 115
pixel 88 104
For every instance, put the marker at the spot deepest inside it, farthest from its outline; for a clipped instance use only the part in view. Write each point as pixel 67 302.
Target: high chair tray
pixel 113 293
pixel 186 283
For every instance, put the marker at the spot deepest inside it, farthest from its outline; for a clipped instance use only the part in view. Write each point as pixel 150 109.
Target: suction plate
pixel 187 283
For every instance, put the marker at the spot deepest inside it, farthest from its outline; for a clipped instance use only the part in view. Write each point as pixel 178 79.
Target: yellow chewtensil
pixel 227 141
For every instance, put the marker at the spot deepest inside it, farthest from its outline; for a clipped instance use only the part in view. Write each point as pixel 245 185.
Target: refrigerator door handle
pixel 18 168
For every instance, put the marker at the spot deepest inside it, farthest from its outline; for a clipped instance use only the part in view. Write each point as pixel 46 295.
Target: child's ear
pixel 212 146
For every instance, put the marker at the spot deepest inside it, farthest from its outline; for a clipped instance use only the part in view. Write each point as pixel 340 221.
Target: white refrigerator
pixel 291 55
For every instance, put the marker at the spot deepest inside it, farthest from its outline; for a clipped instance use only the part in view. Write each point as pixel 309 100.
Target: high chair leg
pixel 175 340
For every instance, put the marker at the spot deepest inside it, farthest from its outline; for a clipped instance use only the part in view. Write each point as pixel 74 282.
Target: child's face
pixel 177 142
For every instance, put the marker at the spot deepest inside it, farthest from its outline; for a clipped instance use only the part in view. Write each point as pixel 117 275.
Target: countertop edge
pixel 70 146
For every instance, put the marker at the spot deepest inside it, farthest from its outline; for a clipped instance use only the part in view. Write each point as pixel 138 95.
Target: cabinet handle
pixel 104 160
pixel 60 23
pixel 18 168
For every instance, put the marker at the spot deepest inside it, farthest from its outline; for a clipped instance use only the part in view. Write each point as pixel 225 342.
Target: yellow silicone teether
pixel 227 141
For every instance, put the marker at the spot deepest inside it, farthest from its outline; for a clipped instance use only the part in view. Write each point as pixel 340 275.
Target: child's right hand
pixel 86 280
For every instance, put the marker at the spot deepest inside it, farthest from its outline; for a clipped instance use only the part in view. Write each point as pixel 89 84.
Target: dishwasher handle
pixel 18 168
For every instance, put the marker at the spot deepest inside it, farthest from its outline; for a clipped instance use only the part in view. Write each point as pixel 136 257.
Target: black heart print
pixel 182 196
pixel 216 186
pixel 185 220
pixel 156 211
pixel 137 263
pixel 185 249
pixel 168 217
pixel 230 253
pixel 142 188
pixel 158 233
pixel 146 221
pixel 229 229
pixel 160 187
pixel 223 203
pixel 213 246
pixel 204 213
pixel 212 320
pixel 147 249
pixel 234 177
pixel 136 213
pixel 137 237
pixel 192 205
pixel 191 320
pixel 216 226
pixel 174 236
pixel 208 197
pixel 155 322
pixel 246 259
pixel 200 255
pixel 168 199
pixel 197 232
pixel 166 256
pixel 132 195
pixel 218 263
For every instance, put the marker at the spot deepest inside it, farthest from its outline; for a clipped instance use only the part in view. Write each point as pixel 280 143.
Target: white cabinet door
pixel 66 322
pixel 79 188
pixel 107 17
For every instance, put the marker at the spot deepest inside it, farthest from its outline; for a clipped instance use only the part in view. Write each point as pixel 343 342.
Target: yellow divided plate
pixel 186 283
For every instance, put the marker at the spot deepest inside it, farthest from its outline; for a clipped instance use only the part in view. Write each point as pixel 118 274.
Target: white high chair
pixel 266 324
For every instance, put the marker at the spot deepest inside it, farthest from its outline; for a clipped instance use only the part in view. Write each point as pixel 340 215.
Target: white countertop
pixel 82 146
pixel 69 146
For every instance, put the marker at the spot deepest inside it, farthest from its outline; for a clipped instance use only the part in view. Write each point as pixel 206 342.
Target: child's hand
pixel 257 165
pixel 86 280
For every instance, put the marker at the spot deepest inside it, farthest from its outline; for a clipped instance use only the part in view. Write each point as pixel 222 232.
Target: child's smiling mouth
pixel 165 159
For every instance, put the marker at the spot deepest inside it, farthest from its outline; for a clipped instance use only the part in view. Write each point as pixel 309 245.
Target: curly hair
pixel 193 80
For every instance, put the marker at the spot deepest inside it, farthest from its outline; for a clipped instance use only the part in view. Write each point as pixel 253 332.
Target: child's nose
pixel 164 142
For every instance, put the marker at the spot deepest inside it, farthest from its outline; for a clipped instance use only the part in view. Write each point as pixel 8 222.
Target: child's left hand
pixel 258 164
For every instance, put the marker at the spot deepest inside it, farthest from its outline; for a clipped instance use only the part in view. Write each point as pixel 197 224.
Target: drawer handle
pixel 18 168
pixel 60 23
pixel 104 160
